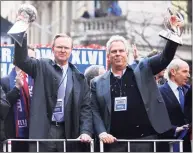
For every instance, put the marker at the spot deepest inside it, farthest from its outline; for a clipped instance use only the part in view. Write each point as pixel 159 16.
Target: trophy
pixel 174 23
pixel 26 15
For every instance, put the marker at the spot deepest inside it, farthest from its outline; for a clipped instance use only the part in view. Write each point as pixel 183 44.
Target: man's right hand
pixel 181 128
pixel 107 138
pixel 19 80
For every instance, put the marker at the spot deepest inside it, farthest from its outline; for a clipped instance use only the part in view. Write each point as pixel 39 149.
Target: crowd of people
pixel 50 99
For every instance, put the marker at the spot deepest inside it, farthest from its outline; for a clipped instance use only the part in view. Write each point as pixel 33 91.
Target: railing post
pixel 37 143
pixel 171 146
pixel 64 143
pixel 101 146
pixel 181 146
pixel 92 146
pixel 9 145
pixel 154 146
pixel 129 146
pixel 4 147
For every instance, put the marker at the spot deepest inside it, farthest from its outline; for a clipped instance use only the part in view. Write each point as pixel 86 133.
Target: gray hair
pixel 61 35
pixel 92 71
pixel 174 64
pixel 117 38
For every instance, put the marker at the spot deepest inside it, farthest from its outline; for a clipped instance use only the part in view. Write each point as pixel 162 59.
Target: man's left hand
pixel 84 138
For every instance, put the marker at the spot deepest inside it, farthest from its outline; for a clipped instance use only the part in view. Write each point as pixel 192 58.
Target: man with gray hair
pixel 93 71
pixel 126 102
pixel 173 93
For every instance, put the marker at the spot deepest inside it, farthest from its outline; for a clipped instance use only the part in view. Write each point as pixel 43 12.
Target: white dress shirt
pixel 64 70
pixel 174 87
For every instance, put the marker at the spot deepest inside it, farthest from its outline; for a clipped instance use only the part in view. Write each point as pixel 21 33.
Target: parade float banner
pixel 81 58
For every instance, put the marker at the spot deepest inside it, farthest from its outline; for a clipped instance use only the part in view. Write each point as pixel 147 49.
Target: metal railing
pixel 153 141
pixel 99 25
pixel 9 143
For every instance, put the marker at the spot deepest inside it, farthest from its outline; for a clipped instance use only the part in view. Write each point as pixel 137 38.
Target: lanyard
pixel 63 77
pixel 120 85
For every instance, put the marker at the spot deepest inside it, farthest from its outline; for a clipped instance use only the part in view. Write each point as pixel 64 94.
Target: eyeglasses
pixel 61 47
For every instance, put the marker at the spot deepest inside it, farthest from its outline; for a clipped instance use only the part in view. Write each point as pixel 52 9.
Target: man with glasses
pixel 60 108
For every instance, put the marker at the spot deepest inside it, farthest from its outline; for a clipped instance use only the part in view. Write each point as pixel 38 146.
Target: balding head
pixel 178 71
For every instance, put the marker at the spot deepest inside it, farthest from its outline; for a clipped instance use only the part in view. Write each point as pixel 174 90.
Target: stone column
pixel 91 8
pixel 37 30
pixel 64 15
pixel 44 23
pixel 74 8
pixel 123 5
pixel 69 17
pixel 55 17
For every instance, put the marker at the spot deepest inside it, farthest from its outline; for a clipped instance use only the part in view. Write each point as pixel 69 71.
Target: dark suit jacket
pixel 78 115
pixel 177 117
pixel 144 73
pixel 4 105
pixel 4 109
pixel 11 96
pixel 188 104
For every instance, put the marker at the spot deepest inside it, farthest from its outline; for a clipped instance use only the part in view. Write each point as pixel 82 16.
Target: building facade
pixel 140 23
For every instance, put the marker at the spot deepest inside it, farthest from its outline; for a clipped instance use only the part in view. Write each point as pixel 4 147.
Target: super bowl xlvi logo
pixel 88 57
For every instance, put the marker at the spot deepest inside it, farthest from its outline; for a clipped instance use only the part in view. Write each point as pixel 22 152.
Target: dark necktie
pixel 181 97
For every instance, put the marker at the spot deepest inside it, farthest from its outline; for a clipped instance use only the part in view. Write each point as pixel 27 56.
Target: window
pixel 97 4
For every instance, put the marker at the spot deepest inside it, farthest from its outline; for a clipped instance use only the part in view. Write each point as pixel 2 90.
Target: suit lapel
pixel 76 88
pixel 171 95
pixel 185 90
pixel 106 89
pixel 69 85
pixel 143 91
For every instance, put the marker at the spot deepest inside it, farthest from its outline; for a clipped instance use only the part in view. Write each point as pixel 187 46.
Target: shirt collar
pixel 172 85
pixel 116 75
pixel 64 67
